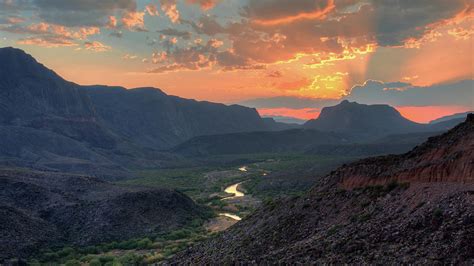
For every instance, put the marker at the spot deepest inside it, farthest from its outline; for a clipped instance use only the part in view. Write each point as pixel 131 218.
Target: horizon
pixel 213 51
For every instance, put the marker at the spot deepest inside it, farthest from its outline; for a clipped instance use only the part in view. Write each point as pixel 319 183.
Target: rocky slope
pixel 424 219
pixel 445 158
pixel 42 209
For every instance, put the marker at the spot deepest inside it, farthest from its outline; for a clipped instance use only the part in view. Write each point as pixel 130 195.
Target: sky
pixel 284 57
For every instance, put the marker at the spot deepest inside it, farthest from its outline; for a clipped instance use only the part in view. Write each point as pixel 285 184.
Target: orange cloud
pixel 47 41
pixel 205 4
pixel 170 9
pixel 134 20
pixel 112 22
pixel 314 14
pixel 96 46
pixel 39 27
pixel 152 10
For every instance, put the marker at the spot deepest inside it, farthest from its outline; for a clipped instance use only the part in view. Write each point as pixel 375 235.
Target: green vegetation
pixel 200 183
pixel 205 185
pixel 131 252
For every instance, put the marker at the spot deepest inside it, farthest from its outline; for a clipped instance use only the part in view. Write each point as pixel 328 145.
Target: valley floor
pixel 232 192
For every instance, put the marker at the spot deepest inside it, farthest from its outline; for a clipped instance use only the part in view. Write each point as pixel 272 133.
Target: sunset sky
pixel 284 57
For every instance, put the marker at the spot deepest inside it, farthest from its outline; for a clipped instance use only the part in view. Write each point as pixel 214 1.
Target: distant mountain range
pixel 348 128
pixel 402 209
pixel 50 123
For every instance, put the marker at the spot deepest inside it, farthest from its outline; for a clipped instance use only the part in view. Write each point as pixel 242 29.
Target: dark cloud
pixel 76 13
pixel 274 74
pixel 176 33
pixel 398 20
pixel 459 93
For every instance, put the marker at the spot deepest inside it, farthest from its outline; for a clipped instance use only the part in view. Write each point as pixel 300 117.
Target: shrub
pixel 145 243
pixel 72 263
pixel 178 234
pixel 130 259
pixel 95 262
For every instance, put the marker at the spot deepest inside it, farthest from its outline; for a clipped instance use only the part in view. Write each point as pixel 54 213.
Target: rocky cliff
pixel 445 158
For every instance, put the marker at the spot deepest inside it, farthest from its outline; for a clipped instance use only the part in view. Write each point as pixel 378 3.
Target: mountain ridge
pixel 128 128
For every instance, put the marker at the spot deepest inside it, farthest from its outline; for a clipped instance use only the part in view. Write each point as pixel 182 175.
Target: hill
pixel 43 209
pixel 412 208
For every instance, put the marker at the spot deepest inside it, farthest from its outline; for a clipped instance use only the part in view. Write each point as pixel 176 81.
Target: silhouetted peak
pixel 17 63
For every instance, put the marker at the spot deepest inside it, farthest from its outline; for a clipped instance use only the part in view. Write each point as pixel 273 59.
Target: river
pixel 233 189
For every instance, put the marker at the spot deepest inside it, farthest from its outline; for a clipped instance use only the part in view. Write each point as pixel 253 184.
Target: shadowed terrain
pixel 413 208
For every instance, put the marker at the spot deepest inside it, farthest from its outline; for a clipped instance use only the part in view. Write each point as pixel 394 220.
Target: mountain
pixel 287 120
pixel 35 97
pixel 451 117
pixel 55 125
pixel 305 141
pixel 294 140
pixel 272 125
pixel 43 209
pixel 366 121
pixel 150 118
pixel 405 209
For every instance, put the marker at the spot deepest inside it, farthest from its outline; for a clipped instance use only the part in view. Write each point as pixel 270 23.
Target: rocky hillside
pixel 427 218
pixel 41 209
pixel 445 158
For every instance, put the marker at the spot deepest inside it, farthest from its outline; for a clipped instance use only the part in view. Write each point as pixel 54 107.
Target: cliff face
pixel 445 158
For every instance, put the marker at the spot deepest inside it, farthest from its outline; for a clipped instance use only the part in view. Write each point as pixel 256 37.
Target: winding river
pixel 233 189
